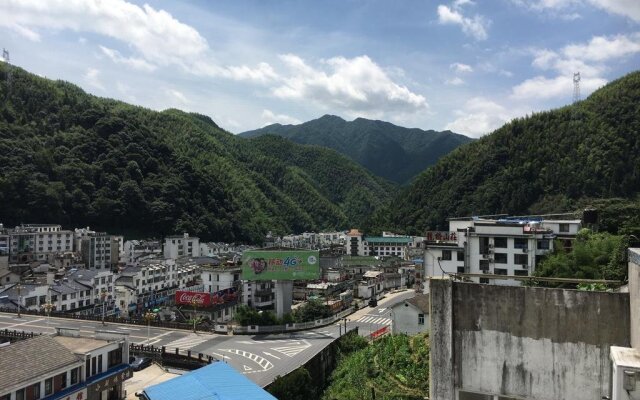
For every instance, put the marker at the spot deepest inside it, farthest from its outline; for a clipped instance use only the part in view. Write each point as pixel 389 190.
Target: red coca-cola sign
pixel 199 298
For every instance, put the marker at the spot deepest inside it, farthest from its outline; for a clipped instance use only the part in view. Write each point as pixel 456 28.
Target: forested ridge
pixel 72 158
pixel 586 154
pixel 387 150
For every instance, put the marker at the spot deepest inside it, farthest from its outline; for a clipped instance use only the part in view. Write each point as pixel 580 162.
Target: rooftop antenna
pixel 576 87
pixel 5 55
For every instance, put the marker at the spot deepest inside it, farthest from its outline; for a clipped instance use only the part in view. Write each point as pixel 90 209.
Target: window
pixel 461 270
pixel 484 265
pixel 446 255
pixel 64 297
pixel 114 357
pixel 64 307
pixel 63 380
pixel 500 271
pixel 484 280
pixel 500 258
pixel 420 319
pixel 543 244
pixel 74 376
pixel 30 301
pixel 564 228
pixel 521 272
pixel 93 366
pixel 36 391
pixel 500 242
pixel 522 259
pixel 54 297
pixel 100 363
pixel 460 255
pixel 20 394
pixel 520 243
pixel 48 386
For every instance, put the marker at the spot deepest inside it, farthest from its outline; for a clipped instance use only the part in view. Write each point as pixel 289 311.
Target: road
pixel 260 357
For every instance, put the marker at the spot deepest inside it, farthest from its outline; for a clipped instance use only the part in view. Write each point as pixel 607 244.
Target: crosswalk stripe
pixel 375 320
pixel 187 342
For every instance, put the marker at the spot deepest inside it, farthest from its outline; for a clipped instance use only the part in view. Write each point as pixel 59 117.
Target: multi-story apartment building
pixel 136 251
pixel 31 242
pixel 65 366
pixel 99 251
pixel 220 277
pixel 387 245
pixel 181 246
pixel 503 246
pixel 259 294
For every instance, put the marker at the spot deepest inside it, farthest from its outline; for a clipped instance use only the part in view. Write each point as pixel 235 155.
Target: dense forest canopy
pixel 390 151
pixel 586 154
pixel 71 158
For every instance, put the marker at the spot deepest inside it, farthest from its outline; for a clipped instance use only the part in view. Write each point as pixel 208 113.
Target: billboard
pixel 266 265
pixel 201 299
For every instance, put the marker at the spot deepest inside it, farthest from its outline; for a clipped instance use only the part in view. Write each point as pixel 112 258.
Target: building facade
pixel 181 246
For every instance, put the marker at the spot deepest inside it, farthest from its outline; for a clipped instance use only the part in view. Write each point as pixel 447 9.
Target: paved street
pixel 260 357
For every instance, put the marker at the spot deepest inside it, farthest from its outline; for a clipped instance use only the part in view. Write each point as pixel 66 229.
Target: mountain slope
pixel 72 158
pixel 392 152
pixel 552 161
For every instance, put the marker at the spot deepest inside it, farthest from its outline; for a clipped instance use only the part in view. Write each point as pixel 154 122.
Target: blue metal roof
pixel 217 381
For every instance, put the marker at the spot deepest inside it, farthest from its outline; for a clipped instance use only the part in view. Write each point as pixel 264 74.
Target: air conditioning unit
pixel 525 266
pixel 490 259
pixel 491 245
pixel 525 250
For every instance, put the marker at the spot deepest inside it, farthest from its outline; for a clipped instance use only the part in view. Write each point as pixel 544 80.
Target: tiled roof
pixel 421 301
pixel 32 358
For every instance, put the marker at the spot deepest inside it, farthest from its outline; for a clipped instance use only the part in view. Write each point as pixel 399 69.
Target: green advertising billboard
pixel 266 265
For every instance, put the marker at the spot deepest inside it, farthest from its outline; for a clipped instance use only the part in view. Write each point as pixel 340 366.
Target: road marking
pixel 368 319
pixel 128 329
pixel 261 361
pixel 291 351
pixel 188 342
pixel 266 341
pixel 23 323
pixel 87 326
pixel 269 354
pixel 153 338
pixel 247 368
pixel 381 310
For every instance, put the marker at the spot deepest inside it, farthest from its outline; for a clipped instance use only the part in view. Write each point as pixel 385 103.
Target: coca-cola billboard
pixel 199 298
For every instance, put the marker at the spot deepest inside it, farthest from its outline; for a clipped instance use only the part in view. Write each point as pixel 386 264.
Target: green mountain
pixel 72 158
pixel 560 160
pixel 392 152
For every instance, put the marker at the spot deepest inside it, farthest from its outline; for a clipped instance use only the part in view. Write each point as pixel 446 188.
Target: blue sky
pixel 463 65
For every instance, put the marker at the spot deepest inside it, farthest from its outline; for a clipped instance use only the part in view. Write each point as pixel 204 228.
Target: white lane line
pixel 23 323
pixel 381 310
pixel 272 355
pixel 261 361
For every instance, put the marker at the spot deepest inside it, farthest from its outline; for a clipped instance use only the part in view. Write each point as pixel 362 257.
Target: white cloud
pixel 540 87
pixel 92 77
pixel 475 26
pixel 479 117
pixel 179 96
pixel 135 63
pixel 590 59
pixel 602 48
pixel 358 86
pixel 271 118
pixel 155 34
pixel 454 82
pixel 460 68
pixel 626 8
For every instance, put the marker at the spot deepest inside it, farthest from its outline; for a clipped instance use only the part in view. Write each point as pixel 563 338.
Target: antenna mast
pixel 576 87
pixel 5 55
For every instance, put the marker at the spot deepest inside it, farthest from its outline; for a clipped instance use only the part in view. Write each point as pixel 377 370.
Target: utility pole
pixel 148 316
pixel 103 296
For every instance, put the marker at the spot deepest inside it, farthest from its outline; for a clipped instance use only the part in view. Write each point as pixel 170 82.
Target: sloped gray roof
pixel 421 301
pixel 27 359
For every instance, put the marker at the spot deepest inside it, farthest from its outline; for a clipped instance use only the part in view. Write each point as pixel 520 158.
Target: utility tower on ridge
pixel 5 55
pixel 576 87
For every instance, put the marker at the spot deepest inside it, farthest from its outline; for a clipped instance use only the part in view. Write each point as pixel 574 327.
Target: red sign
pixel 199 298
pixel 439 236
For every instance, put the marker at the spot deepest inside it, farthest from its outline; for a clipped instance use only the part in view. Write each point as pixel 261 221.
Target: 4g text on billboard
pixel 265 265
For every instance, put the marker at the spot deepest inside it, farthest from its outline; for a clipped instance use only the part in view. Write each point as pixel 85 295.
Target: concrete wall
pixel 634 292
pixel 405 319
pixel 530 343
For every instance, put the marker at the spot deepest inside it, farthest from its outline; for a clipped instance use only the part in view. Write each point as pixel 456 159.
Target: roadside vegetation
pixel 310 311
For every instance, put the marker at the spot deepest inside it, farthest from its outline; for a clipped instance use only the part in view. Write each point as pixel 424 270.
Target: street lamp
pixel 47 307
pixel 103 296
pixel 149 316
pixel 19 289
pixel 194 303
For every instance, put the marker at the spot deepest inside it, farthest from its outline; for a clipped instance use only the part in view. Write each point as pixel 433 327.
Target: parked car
pixel 140 363
pixel 373 302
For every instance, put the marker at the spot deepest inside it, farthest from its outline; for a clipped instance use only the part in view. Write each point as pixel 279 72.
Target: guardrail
pixel 13 335
pixel 181 359
pixel 298 326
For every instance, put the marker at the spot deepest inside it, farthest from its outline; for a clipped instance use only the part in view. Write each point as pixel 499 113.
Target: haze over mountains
pixel 387 150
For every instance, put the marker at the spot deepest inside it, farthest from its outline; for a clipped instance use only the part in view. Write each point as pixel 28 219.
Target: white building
pixel 215 278
pixel 507 246
pixel 99 251
pixel 181 246
pixel 411 316
pixel 258 294
pixel 30 242
pixel 384 246
pixel 136 251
